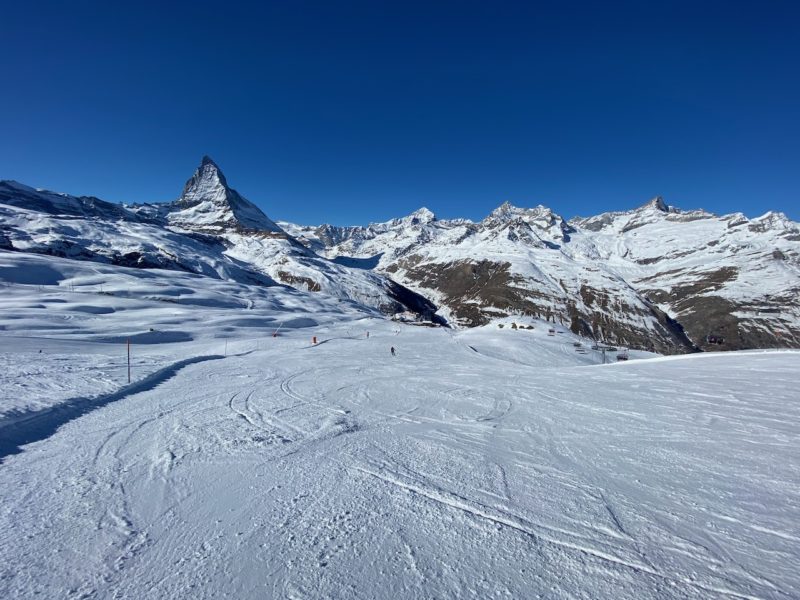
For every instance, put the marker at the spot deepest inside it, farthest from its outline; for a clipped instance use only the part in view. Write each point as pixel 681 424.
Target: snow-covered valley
pixel 477 463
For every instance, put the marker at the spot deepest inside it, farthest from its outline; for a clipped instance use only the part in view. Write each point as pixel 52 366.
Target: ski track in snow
pixel 460 503
pixel 340 471
pixel 35 425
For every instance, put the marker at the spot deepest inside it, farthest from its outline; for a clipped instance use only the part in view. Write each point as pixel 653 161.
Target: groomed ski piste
pixel 482 463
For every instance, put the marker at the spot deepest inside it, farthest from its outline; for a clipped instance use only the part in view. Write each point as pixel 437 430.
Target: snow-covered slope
pixel 655 277
pixel 47 303
pixel 473 464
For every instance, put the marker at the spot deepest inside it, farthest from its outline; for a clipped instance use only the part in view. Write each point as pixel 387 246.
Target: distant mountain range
pixel 656 277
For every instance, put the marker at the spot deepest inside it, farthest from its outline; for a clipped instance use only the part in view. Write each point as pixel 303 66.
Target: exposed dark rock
pixel 142 260
pixel 468 287
pixel 296 280
pixel 414 302
pixel 5 241
pixel 476 292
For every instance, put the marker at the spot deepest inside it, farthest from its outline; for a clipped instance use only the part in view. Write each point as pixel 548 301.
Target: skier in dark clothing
pixel 392 350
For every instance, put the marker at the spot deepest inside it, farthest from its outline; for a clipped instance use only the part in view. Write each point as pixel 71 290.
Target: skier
pixel 392 350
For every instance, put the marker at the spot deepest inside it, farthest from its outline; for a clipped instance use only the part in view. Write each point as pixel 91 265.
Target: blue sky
pixel 351 112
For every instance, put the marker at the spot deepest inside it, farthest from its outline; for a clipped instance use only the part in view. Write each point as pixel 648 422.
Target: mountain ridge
pixel 505 264
pixel 655 277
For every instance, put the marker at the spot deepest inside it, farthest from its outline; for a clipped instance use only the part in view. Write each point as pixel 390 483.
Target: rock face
pixel 210 230
pixel 655 277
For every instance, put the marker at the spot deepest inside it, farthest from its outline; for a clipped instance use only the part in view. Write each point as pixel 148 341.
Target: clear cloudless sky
pixel 351 112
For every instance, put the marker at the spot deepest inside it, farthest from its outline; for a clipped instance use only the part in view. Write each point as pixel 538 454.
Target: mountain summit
pixel 207 176
pixel 209 204
pixel 658 204
pixel 422 215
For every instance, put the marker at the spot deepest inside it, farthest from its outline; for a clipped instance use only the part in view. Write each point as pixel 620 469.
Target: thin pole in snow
pixel 226 347
pixel 129 360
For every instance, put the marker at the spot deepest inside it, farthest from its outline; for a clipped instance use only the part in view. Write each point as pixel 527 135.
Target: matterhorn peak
pixel 207 179
pixel 207 203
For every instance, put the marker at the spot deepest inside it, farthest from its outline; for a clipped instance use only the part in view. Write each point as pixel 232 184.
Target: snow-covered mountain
pixel 655 277
pixel 210 230
pixel 208 204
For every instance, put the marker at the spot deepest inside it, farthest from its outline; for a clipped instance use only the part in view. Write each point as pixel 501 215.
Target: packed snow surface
pixel 477 464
